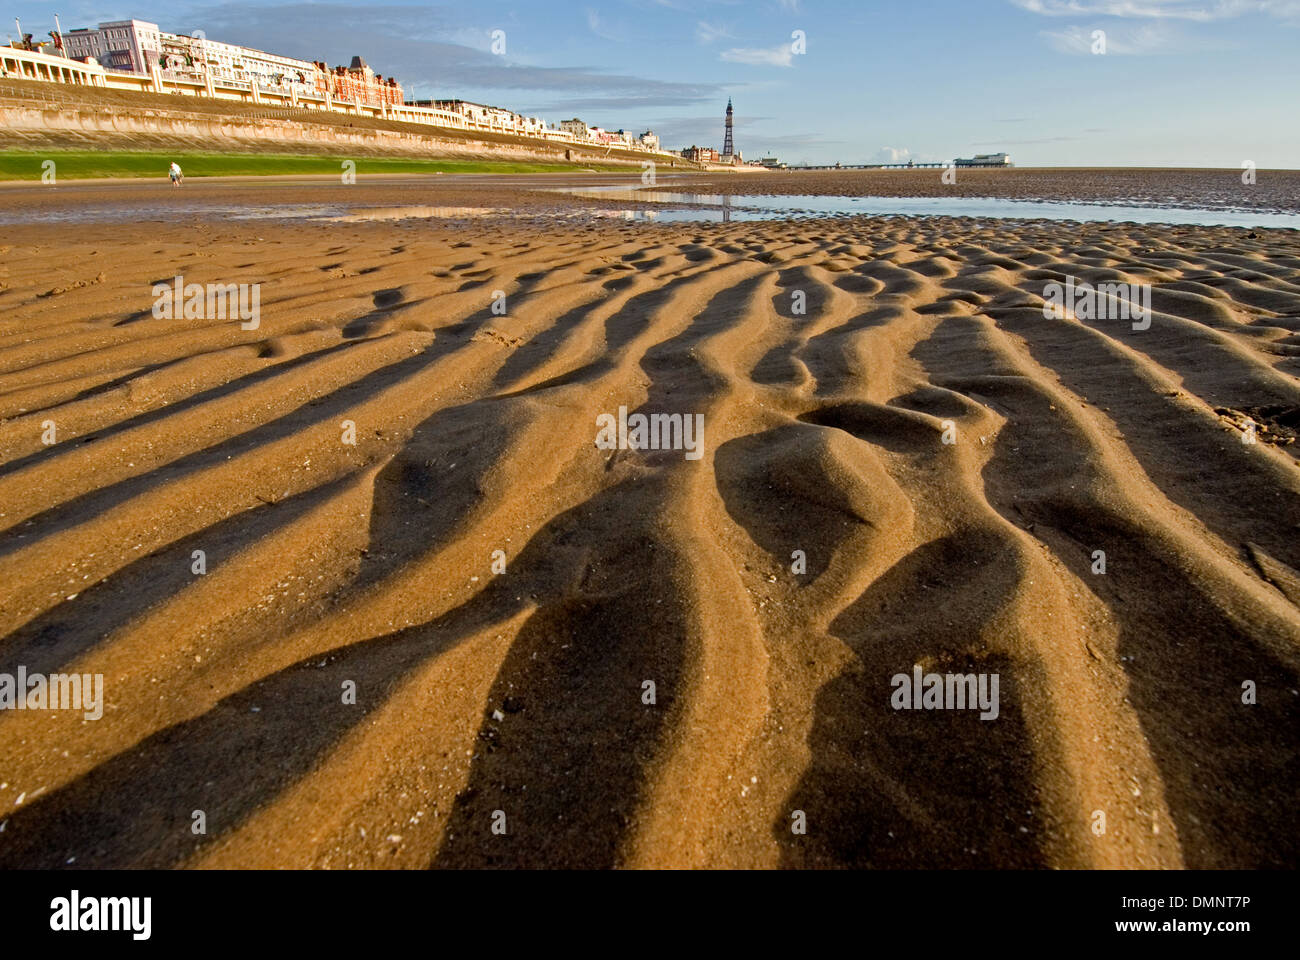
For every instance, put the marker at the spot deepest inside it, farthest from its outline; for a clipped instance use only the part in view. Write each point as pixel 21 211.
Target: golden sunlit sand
pixel 379 563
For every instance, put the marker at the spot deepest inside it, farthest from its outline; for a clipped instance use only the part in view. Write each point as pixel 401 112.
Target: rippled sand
pixel 523 691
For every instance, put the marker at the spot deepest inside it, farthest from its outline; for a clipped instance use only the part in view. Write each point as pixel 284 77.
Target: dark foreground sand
pixel 329 564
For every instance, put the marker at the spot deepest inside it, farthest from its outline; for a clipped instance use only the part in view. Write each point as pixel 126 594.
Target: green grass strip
pixel 91 164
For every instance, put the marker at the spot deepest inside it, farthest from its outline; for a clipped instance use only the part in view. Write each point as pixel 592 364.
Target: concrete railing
pixel 30 65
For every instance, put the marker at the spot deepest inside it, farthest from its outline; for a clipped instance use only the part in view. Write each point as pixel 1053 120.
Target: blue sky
pixel 1182 82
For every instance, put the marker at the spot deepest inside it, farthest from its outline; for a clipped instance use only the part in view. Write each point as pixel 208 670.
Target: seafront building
pixel 126 45
pixel 140 47
pixel 486 117
pixel 358 83
pixel 137 55
pixel 700 154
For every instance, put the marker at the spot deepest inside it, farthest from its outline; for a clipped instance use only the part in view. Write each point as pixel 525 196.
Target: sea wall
pixel 46 124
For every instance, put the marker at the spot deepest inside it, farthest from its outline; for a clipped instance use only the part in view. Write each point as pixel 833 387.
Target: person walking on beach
pixel 175 173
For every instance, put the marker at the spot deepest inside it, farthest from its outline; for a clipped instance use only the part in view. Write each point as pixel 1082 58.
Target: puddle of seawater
pixel 676 207
pixel 419 213
pixel 719 208
pixel 305 212
pixel 317 212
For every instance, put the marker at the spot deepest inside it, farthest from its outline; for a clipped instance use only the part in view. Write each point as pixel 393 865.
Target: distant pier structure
pixel 728 143
pixel 1001 160
pixel 985 160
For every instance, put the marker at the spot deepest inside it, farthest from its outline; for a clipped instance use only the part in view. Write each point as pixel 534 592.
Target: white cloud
pixel 598 27
pixel 891 155
pixel 1201 11
pixel 778 56
pixel 708 32
pixel 1147 39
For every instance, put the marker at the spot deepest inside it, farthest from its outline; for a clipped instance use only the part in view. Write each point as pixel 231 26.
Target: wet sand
pixel 538 193
pixel 374 566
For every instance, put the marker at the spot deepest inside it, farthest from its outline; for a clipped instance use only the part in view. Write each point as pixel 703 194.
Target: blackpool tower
pixel 728 145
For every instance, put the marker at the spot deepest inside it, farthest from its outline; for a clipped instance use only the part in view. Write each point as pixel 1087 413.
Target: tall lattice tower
pixel 728 144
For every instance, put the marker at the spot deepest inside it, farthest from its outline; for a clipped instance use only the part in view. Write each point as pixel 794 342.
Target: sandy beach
pixel 392 489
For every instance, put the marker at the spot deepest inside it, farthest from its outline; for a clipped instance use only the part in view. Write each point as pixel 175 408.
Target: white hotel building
pixel 231 62
pixel 137 46
pixel 127 46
